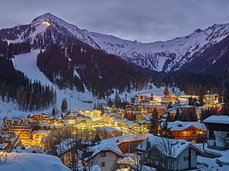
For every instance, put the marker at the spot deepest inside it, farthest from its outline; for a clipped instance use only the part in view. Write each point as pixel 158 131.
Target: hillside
pixel 165 56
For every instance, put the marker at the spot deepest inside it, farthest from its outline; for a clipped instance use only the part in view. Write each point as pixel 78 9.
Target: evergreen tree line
pixel 183 115
pixel 208 112
pixel 80 66
pixel 35 97
pixel 94 66
pixel 8 50
pixel 191 83
pixel 16 87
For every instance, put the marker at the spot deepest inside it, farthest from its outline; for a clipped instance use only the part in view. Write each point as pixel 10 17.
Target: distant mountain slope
pixel 71 59
pixel 26 63
pixel 165 56
pixel 213 60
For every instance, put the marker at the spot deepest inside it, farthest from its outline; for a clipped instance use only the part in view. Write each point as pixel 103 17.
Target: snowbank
pixel 31 161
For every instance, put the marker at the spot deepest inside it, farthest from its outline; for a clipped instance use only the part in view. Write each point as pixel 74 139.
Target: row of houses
pixel 135 151
pixel 8 140
pixel 31 130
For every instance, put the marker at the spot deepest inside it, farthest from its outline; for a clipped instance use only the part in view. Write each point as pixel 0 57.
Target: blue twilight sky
pixel 142 20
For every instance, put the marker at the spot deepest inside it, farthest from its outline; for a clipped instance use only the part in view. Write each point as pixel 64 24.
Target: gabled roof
pixel 168 147
pixel 180 126
pixel 3 145
pixel 108 129
pixel 209 95
pixel 65 146
pixel 111 144
pixel 217 119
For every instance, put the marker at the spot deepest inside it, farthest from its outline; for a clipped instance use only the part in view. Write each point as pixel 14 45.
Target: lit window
pixel 103 154
pixel 102 164
pixel 186 158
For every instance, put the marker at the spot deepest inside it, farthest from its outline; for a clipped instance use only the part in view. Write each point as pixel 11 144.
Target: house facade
pixel 106 160
pixel 190 131
pixel 109 151
pixel 168 154
pixel 211 100
pixel 217 131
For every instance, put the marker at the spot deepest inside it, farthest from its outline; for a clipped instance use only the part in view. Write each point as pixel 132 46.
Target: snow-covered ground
pixel 211 164
pixel 31 161
pixel 26 63
pixel 158 93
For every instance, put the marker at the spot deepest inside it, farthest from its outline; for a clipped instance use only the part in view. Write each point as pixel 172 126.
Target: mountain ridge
pixel 161 56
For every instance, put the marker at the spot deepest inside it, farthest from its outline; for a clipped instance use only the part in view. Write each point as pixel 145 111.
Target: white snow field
pixel 27 63
pixel 211 164
pixel 154 54
pixel 31 162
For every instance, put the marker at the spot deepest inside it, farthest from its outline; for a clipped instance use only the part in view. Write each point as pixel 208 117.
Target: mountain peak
pixel 165 56
pixel 47 17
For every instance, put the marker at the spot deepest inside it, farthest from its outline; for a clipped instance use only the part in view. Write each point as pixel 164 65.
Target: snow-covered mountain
pixel 165 56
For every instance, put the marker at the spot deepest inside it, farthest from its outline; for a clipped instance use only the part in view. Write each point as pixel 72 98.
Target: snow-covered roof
pixel 3 145
pixel 128 159
pixel 108 129
pixel 183 100
pixel 64 146
pixel 147 117
pixel 111 144
pixel 137 112
pixel 121 120
pixel 130 123
pixel 143 168
pixel 186 106
pixel 41 131
pixel 22 149
pixel 169 147
pixel 219 119
pixel 180 126
pixel 141 121
pixel 39 114
pixel 157 98
pixel 211 95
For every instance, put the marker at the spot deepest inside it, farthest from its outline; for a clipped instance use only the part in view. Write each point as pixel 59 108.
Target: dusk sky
pixel 141 20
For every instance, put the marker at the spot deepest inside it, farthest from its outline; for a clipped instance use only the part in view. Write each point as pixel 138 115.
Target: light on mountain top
pixel 46 23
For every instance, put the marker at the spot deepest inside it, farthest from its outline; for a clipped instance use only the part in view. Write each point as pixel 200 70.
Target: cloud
pixel 142 20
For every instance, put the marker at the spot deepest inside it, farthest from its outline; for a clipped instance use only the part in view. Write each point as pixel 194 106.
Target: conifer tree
pixel 169 117
pixel 64 105
pixel 154 122
pixel 225 109
pixel 177 115
pixel 53 111
pixel 166 92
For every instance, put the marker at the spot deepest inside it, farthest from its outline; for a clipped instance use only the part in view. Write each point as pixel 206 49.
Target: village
pixel 152 133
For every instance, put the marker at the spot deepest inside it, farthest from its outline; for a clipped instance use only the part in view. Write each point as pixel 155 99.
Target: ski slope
pixel 27 63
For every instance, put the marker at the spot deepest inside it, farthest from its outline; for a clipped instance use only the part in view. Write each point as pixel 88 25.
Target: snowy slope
pixel 31 161
pixel 26 63
pixel 160 56
pixel 154 55
pixel 158 93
